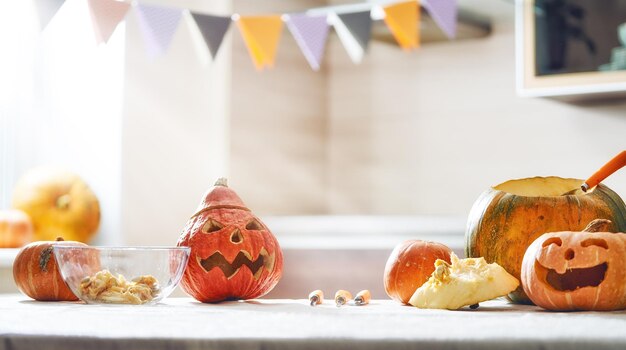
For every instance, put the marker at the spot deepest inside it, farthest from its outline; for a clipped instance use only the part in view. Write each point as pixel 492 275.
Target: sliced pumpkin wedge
pixel 464 282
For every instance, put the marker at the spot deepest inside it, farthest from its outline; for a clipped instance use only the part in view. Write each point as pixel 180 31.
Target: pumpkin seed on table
pixel 316 297
pixel 342 297
pixel 362 298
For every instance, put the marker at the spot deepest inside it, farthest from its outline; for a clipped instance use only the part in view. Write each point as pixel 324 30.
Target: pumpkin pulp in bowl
pixel 121 275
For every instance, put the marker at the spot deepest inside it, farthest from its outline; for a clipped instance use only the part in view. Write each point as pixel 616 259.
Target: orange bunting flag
pixel 261 35
pixel 402 19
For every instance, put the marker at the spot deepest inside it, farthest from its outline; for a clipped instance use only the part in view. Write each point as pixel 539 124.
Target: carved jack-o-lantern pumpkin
pixel 577 270
pixel 233 254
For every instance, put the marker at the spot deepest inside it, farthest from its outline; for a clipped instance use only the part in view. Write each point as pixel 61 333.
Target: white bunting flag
pixel 46 9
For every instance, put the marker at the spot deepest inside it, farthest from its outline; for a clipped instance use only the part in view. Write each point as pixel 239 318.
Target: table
pixel 182 323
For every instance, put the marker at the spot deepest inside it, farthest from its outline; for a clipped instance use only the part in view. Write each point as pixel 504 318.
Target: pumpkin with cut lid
pixel 508 217
pixel 233 254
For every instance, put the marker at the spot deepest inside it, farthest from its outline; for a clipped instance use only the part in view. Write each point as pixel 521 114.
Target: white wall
pixel 420 133
pixel 403 133
pixel 62 102
pixel 175 130
pixel 425 133
pixel 149 136
pixel 279 117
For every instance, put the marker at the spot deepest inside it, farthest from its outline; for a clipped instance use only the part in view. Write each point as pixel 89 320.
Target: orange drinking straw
pixel 609 168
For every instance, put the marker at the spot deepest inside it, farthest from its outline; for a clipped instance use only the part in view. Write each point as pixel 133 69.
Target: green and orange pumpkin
pixel 508 217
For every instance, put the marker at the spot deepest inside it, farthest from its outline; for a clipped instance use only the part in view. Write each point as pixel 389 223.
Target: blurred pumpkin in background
pixel 59 203
pixel 16 229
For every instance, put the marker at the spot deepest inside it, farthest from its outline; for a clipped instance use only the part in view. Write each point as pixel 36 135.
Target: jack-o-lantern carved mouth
pixel 230 269
pixel 573 279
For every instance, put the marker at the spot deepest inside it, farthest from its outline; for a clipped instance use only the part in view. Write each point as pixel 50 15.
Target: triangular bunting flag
pixel 310 34
pixel 360 26
pixel 354 31
pixel 444 12
pixel 402 19
pixel 46 9
pixel 213 29
pixel 105 16
pixel 261 35
pixel 158 25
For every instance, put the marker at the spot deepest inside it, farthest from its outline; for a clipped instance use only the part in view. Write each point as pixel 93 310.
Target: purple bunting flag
pixel 310 33
pixel 444 12
pixel 158 25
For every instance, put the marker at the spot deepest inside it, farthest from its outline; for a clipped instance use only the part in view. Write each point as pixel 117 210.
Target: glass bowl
pixel 121 275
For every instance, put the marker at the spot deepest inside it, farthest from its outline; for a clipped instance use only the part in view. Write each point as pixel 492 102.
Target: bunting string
pixel 261 34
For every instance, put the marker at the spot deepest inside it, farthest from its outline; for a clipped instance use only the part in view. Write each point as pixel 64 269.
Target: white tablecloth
pixel 181 323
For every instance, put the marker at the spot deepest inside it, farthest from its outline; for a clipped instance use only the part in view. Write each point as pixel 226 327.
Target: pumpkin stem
pixel 222 181
pixel 598 225
pixel 63 202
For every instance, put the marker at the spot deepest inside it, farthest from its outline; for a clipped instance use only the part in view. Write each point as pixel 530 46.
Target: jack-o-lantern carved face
pixel 233 254
pixel 577 270
pixel 245 238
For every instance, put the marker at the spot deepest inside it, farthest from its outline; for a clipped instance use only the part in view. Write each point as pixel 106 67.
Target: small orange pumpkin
pixel 37 274
pixel 410 265
pixel 577 270
pixel 16 229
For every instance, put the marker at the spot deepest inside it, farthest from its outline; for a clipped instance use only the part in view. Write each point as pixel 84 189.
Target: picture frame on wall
pixel 571 48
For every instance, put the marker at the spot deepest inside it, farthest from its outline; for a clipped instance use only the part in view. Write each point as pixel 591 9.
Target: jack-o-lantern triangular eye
pixel 254 224
pixel 211 226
